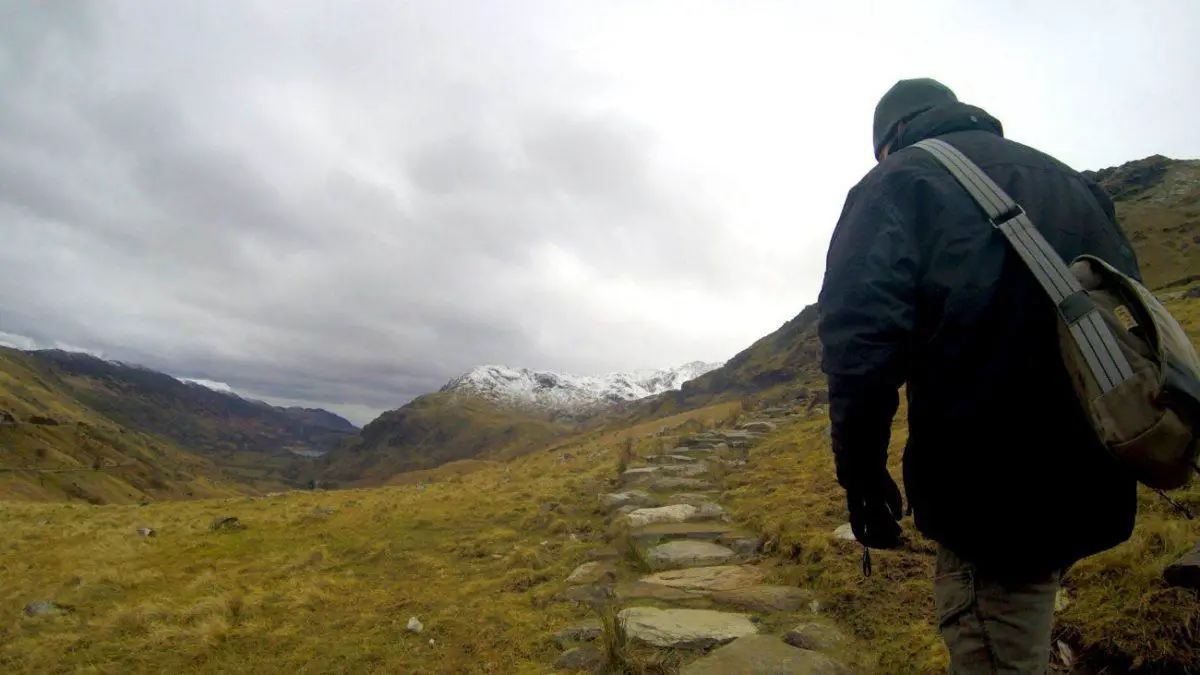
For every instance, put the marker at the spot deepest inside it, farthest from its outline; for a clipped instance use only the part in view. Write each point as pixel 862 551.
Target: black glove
pixel 876 508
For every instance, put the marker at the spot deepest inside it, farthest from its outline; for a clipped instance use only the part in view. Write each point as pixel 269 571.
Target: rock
pixel 1185 572
pixel 666 483
pixel 693 498
pixel 7 419
pixel 676 513
pixel 708 531
pixel 688 554
pixel 819 397
pixel 323 512
pixel 684 628
pixel 708 579
pixel 816 636
pixel 43 420
pixel 742 545
pixel 640 590
pixel 765 598
pixel 845 532
pixel 763 655
pixel 626 510
pixel 635 498
pixel 670 459
pixel 697 468
pixel 548 507
pixel 146 531
pixel 640 474
pixel 1061 601
pixel 585 632
pixel 760 426
pixel 414 625
pixel 815 606
pixel 592 573
pixel 587 658
pixel 226 524
pixel 590 595
pixel 1193 292
pixel 42 607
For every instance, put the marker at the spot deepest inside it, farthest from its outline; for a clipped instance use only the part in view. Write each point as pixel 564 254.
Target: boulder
pixel 226 524
pixel 592 573
pixel 146 532
pixel 845 532
pixel 765 598
pixel 635 498
pixel 816 636
pixel 742 545
pixel 1193 292
pixel 708 579
pixel 688 553
pixel 763 655
pixel 414 625
pixel 42 607
pixel 587 658
pixel 684 628
pixel 759 426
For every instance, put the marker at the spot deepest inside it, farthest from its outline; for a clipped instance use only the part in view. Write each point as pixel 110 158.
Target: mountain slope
pixel 252 442
pixel 55 447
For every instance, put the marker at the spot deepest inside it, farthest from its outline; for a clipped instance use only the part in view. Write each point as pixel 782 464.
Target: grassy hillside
pixel 436 429
pixel 54 447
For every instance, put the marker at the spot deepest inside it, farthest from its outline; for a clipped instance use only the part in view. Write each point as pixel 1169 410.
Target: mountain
pixel 549 390
pixel 253 442
pixel 491 412
pixel 1158 204
pixel 55 447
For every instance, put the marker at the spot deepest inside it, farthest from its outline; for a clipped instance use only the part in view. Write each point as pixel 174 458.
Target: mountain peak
pixel 551 390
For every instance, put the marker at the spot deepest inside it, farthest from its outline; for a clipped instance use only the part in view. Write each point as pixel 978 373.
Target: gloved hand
pixel 876 508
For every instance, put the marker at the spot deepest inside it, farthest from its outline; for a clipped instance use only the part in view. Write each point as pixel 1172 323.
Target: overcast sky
pixel 349 203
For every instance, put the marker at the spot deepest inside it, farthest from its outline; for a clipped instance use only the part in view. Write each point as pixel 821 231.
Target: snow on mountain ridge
pixel 563 391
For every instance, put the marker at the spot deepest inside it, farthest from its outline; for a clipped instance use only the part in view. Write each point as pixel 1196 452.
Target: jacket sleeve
pixel 867 320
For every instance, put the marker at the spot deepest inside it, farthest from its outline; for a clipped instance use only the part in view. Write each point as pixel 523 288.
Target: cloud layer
pixel 347 204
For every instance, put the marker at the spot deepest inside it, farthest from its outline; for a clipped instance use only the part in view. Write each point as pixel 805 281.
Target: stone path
pixel 699 591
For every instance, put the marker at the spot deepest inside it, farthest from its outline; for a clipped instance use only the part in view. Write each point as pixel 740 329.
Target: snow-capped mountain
pixel 561 391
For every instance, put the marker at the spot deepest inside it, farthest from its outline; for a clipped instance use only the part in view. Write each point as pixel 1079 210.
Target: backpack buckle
pixel 1015 212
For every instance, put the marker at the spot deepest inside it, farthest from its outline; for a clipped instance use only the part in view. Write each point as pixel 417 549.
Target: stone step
pixel 754 654
pixel 708 579
pixel 685 628
pixel 688 553
pixel 765 599
pixel 758 426
pixel 709 531
pixel 670 459
pixel 645 474
pixel 636 498
pixel 675 513
pixel 669 483
pixel 629 591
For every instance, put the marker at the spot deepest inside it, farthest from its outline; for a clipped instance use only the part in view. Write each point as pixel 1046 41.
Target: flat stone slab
pixel 759 426
pixel 1185 572
pixel 670 459
pixel 675 513
pixel 710 531
pixel 640 590
pixel 636 498
pixel 815 636
pixel 667 483
pixel 708 579
pixel 688 553
pixel 587 658
pixel 765 598
pixel 685 628
pixel 763 655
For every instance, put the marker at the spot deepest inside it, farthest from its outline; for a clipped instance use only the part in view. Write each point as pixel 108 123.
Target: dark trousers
pixel 992 625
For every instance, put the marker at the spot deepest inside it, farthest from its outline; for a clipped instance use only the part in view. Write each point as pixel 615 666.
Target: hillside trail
pixel 681 587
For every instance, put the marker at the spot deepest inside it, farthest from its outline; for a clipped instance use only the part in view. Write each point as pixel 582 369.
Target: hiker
pixel 1002 468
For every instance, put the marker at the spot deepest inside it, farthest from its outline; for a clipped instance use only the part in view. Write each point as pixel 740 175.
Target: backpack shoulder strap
pixel 1089 331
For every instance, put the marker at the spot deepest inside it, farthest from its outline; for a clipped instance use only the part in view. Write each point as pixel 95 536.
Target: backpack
pixel 1134 370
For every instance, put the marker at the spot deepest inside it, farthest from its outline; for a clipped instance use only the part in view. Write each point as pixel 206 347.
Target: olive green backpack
pixel 1135 371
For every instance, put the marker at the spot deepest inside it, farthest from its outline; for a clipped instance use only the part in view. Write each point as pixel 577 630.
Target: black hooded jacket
pixel 1001 465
